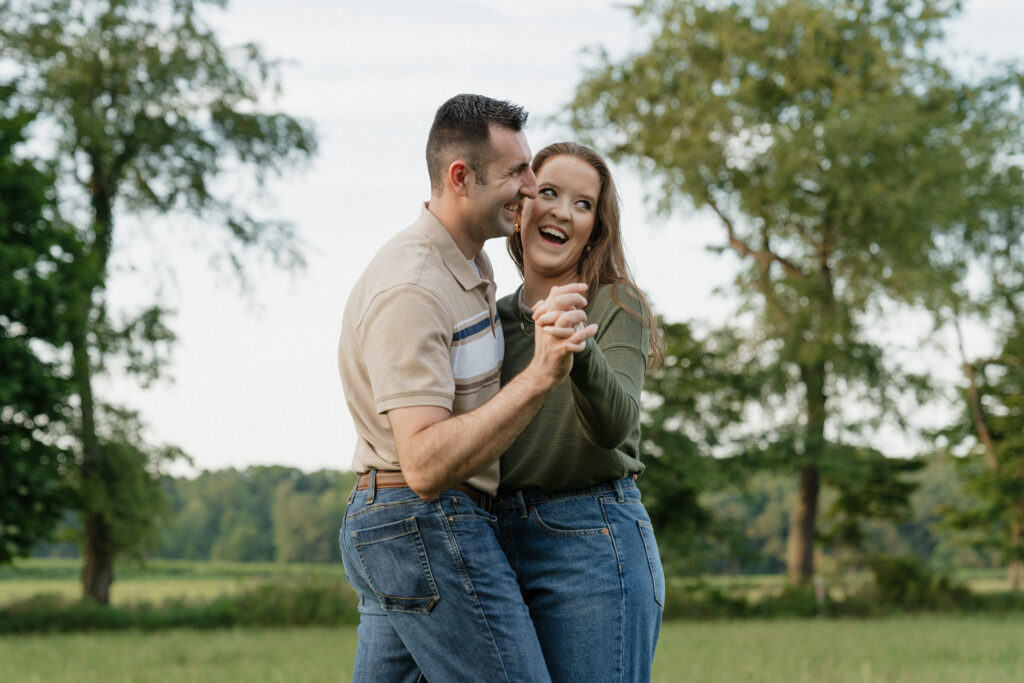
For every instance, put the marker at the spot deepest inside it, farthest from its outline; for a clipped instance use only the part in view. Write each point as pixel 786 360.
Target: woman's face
pixel 557 224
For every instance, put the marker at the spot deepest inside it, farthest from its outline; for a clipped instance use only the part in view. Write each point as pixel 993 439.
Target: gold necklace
pixel 522 316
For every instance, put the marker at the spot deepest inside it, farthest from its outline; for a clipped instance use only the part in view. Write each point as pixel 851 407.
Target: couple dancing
pixel 495 532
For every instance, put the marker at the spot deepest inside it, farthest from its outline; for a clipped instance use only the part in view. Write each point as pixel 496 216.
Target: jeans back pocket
pixel 395 564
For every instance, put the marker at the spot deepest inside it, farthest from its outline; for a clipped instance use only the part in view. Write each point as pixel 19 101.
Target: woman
pixel 569 513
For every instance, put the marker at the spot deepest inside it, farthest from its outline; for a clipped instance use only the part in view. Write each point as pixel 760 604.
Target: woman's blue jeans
pixel 588 567
pixel 437 598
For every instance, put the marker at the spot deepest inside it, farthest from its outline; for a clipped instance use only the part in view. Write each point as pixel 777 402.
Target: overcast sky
pixel 255 376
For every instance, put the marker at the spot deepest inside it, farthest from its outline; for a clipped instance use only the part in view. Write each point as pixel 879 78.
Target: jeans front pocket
pixel 395 564
pixel 653 559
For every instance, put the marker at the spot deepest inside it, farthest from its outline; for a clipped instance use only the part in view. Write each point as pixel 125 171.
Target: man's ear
pixel 459 177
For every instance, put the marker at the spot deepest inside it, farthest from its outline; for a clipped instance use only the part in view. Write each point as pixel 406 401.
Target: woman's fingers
pixel 562 297
pixel 562 302
pixel 562 319
pixel 575 340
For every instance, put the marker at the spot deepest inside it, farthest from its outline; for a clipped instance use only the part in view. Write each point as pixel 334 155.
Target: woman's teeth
pixel 554 234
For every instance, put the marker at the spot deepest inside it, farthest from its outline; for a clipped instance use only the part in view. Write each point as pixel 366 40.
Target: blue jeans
pixel 437 598
pixel 589 570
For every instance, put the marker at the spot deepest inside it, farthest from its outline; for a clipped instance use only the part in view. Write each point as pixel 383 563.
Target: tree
pixel 150 110
pixel 307 519
pixel 692 405
pixel 35 249
pixel 841 160
pixel 992 423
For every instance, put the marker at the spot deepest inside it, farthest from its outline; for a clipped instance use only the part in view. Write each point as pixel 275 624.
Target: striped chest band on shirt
pixel 478 347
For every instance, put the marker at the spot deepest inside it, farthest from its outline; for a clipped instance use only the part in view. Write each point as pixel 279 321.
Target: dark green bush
pixel 793 601
pixel 904 582
pixel 283 603
pixel 702 601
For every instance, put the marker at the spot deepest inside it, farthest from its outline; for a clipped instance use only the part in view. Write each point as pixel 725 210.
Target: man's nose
pixel 529 187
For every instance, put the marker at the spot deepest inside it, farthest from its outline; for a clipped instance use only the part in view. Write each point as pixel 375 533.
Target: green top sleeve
pixel 607 379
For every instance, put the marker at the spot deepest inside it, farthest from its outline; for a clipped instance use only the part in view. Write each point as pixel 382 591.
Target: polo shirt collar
pixel 450 253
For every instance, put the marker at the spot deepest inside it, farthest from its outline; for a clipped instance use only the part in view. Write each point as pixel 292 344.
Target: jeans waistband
pixel 521 499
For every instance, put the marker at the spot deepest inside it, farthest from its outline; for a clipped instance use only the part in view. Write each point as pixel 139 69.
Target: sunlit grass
pixel 243 655
pixel 154 581
pixel 922 648
pixel 925 648
pixel 160 580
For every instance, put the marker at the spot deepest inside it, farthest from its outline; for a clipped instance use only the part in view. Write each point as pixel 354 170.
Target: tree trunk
pixel 98 565
pixel 802 518
pixel 1016 537
pixel 98 561
pixel 99 550
pixel 804 514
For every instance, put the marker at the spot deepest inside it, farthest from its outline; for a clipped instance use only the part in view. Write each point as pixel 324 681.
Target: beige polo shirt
pixel 420 329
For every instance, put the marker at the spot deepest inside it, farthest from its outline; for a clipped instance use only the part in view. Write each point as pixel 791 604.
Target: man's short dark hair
pixel 461 130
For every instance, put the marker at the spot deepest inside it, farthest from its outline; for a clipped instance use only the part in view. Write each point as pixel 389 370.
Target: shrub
pixel 283 603
pixel 904 582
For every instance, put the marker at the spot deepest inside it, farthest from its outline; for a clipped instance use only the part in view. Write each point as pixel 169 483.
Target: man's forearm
pixel 436 451
pixel 451 451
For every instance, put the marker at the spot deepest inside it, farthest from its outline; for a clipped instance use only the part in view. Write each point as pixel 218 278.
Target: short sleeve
pixel 405 334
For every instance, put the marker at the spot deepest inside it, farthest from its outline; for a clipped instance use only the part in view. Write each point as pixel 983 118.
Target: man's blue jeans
pixel 436 595
pixel 589 570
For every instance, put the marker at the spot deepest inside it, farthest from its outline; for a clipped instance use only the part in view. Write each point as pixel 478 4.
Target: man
pixel 420 358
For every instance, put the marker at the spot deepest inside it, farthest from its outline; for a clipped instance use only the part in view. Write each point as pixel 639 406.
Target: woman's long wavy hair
pixel 603 260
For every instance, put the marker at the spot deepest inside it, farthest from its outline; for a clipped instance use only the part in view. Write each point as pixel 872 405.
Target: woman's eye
pixel 584 204
pixel 547 192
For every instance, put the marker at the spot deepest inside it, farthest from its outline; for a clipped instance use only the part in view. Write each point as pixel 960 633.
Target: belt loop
pixel 352 495
pixel 521 503
pixel 619 496
pixel 371 487
pixel 485 501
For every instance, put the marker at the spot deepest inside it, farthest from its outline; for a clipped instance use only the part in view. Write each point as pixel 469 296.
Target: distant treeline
pixel 258 514
pixel 285 515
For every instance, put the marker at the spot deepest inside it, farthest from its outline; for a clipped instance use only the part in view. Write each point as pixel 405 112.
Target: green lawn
pixel 910 648
pixel 159 580
pixel 923 649
pixel 153 582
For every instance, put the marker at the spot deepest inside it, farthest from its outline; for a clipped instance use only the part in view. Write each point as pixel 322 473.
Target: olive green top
pixel 588 430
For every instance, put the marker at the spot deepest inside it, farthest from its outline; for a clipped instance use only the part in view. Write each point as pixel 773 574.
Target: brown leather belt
pixel 390 479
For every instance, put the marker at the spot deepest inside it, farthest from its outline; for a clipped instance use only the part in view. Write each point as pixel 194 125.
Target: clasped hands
pixel 560 321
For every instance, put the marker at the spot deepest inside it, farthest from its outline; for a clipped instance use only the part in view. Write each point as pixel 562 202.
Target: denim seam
pixel 456 553
pixel 506 500
pixel 570 533
pixel 454 550
pixel 622 587
pixel 375 507
pixel 641 525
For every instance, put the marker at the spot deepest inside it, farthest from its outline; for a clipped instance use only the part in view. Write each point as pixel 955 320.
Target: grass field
pixel 931 649
pixel 162 579
pixel 154 582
